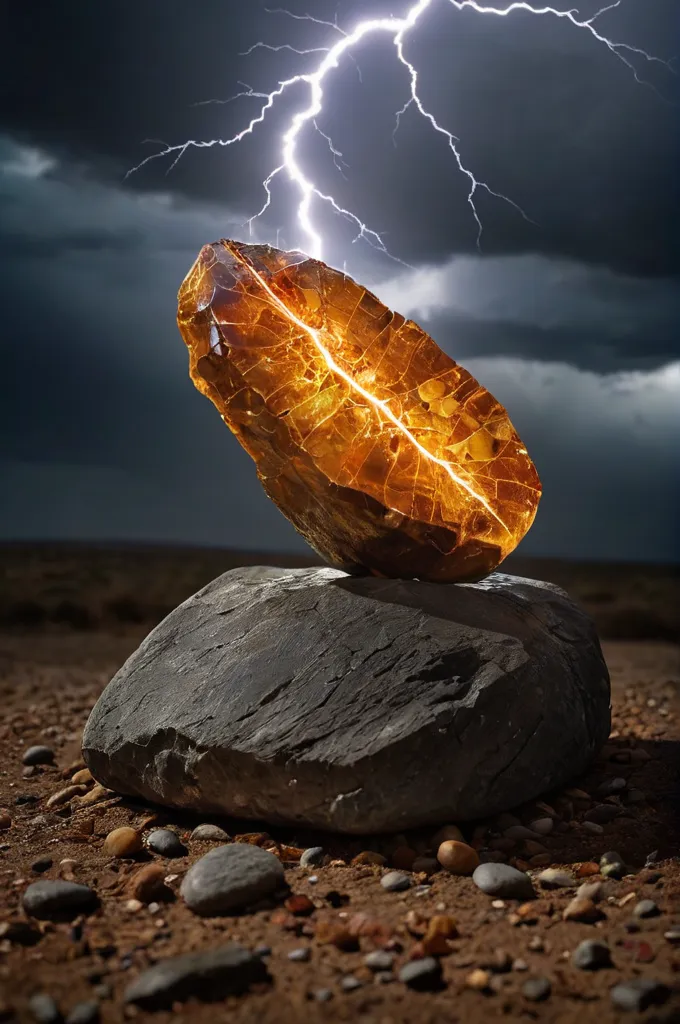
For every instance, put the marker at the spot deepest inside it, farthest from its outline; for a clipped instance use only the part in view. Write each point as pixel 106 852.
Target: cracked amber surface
pixel 386 455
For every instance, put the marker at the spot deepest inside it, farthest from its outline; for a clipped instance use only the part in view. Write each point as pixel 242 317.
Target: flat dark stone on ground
pixel 209 976
pixel 355 704
pixel 229 878
pixel 503 881
pixel 52 900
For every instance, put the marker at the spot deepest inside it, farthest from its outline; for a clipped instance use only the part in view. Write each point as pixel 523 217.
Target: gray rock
pixel 312 857
pixel 602 814
pixel 166 843
pixel 503 882
pixel 84 1013
pixel 44 1009
pixel 612 865
pixel 210 834
pixel 243 701
pixel 230 878
pixel 536 990
pixel 591 955
pixel 209 976
pixel 543 826
pixel 639 994
pixel 300 955
pixel 395 881
pixel 50 900
pixel 646 908
pixel 38 755
pixel 422 975
pixel 349 983
pixel 553 878
pixel 379 960
pixel 521 832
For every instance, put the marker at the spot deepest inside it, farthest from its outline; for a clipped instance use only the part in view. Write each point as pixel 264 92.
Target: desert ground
pixel 70 616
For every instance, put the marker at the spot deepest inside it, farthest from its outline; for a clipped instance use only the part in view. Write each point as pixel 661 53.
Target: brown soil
pixel 49 680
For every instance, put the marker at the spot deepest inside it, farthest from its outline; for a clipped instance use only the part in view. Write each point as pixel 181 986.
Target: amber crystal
pixel 385 454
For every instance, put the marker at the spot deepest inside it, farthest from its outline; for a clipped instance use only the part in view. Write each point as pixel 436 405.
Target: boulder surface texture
pixel 355 704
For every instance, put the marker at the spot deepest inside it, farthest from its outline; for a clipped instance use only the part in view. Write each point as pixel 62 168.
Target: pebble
pixel 323 995
pixel 123 842
pixel 672 935
pixel 44 1009
pixel 646 908
pixel 536 990
pixel 5 820
pixel 612 865
pixel 210 834
pixel 422 975
pixel 65 795
pixel 349 983
pixel 230 878
pixel 209 976
pixel 602 814
pixel 478 979
pixel 543 826
pixel 41 864
pixel 591 955
pixel 584 910
pixel 553 878
pixel 520 965
pixel 426 865
pixel 166 843
pixel 395 881
pixel 520 832
pixel 445 833
pixel 84 1013
pixel 53 900
pixel 38 755
pixel 300 955
pixel 148 884
pixel 592 827
pixel 639 994
pixel 457 858
pixel 503 882
pixel 312 857
pixel 379 960
pixel 611 786
pixel 589 891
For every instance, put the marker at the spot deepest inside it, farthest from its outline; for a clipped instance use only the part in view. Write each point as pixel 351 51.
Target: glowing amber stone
pixel 385 454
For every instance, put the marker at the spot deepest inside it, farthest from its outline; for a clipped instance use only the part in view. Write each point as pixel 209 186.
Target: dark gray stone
pixel 38 755
pixel 210 834
pixel 591 955
pixel 312 857
pixel 230 878
pixel 639 994
pixel 44 1009
pixel 503 882
pixel 646 908
pixel 395 881
pixel 536 990
pixel 210 976
pixel 422 975
pixel 54 900
pixel 84 1013
pixel 355 704
pixel 166 843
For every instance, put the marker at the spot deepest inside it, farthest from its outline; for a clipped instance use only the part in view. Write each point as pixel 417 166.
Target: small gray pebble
pixel 592 827
pixel 536 989
pixel 543 826
pixel 646 908
pixel 639 994
pixel 210 834
pixel 672 935
pixel 312 857
pixel 590 955
pixel 503 882
pixel 54 900
pixel 38 755
pixel 102 991
pixel 323 995
pixel 166 843
pixel 612 865
pixel 422 975
pixel 230 878
pixel 553 878
pixel 300 955
pixel 349 983
pixel 379 960
pixel 395 881
pixel 44 1009
pixel 84 1013
pixel 263 951
pixel 611 786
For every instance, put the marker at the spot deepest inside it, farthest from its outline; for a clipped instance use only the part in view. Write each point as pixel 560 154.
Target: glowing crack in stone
pixel 386 455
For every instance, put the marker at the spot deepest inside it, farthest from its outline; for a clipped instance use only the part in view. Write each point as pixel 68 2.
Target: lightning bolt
pixel 396 29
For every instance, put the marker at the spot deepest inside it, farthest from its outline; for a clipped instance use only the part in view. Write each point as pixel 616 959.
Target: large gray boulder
pixel 354 704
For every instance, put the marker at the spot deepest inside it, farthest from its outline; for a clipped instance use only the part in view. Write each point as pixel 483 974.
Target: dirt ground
pixel 49 679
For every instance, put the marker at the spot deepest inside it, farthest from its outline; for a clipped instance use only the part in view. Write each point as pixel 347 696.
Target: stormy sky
pixel 570 314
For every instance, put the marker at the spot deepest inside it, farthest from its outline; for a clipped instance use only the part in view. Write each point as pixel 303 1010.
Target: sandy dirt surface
pixel 49 680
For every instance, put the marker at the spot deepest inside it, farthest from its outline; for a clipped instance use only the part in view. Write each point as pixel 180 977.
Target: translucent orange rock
pixel 386 455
